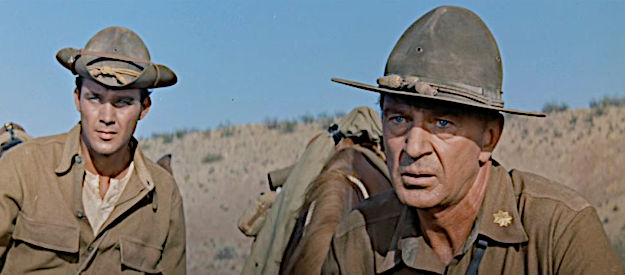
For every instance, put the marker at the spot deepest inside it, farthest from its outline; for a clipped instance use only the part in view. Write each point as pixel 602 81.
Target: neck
pixel 108 166
pixel 447 229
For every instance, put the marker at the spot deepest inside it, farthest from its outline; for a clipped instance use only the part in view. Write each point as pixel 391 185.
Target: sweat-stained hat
pixel 448 55
pixel 117 58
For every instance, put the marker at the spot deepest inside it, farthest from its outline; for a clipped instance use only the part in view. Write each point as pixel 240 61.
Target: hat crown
pixel 449 46
pixel 118 40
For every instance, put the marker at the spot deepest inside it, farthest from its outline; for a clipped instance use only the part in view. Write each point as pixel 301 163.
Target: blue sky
pixel 243 62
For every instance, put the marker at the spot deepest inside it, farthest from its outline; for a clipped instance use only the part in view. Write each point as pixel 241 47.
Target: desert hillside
pixel 221 171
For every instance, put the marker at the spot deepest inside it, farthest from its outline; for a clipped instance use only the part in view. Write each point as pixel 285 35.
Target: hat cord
pixel 114 56
pixel 118 73
pixel 414 83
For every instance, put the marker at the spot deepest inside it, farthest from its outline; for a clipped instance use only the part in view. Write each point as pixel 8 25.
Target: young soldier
pixel 88 201
pixel 455 210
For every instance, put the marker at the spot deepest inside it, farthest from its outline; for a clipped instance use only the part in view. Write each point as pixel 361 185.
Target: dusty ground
pixel 221 171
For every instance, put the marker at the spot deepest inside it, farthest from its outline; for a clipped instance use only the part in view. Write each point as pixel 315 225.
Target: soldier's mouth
pixel 417 181
pixel 106 135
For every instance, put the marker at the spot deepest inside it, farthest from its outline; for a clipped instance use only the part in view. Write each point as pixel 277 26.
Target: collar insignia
pixel 502 218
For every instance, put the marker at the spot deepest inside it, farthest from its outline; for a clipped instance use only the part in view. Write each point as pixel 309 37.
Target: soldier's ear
pixel 77 99
pixel 490 138
pixel 145 107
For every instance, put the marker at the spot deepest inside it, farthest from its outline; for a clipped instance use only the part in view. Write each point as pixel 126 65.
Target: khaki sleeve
pixel 174 259
pixel 11 197
pixel 583 248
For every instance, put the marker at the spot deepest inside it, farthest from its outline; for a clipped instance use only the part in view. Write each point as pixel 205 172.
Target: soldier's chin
pixel 104 149
pixel 418 198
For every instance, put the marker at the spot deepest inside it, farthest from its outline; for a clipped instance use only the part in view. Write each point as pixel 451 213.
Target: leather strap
pixel 335 132
pixel 481 246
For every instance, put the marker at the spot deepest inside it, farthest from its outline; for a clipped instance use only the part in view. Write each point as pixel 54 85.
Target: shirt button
pixel 90 248
pixel 78 159
pixel 80 214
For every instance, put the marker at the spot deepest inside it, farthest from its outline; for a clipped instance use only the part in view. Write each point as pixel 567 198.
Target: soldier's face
pixel 108 117
pixel 434 151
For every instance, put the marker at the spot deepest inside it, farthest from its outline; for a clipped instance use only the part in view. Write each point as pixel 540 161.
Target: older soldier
pixel 455 210
pixel 88 201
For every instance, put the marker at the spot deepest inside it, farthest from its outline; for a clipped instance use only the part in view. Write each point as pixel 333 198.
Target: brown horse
pixel 353 174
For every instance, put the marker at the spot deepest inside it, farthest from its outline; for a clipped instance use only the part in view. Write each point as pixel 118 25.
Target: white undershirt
pixel 97 209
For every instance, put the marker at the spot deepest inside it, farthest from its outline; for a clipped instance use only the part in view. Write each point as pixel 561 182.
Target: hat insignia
pixel 502 218
pixel 410 83
pixel 115 72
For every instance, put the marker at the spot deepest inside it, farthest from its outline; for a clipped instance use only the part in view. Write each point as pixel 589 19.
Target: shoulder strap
pixel 481 246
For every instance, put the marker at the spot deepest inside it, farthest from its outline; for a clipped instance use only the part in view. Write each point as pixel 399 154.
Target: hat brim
pixel 152 76
pixel 438 98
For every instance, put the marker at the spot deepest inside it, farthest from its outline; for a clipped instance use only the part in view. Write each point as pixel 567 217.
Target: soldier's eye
pixel 397 119
pixel 441 123
pixel 124 102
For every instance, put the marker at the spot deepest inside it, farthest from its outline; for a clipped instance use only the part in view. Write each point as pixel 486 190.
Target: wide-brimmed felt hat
pixel 117 58
pixel 449 55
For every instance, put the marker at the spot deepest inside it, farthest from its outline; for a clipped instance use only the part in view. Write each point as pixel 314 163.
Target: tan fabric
pixel 98 209
pixel 361 121
pixel 43 227
pixel 273 237
pixel 553 231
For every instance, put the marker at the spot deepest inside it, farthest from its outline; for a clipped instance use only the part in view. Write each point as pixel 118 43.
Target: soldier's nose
pixel 107 115
pixel 417 144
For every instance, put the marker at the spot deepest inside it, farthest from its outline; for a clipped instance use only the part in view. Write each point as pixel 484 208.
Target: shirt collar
pixel 416 253
pixel 71 151
pixel 141 167
pixel 501 198
pixel 409 246
pixel 71 155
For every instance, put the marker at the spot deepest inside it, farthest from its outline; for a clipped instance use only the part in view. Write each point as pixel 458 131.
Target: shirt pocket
pixel 139 255
pixel 58 237
pixel 40 246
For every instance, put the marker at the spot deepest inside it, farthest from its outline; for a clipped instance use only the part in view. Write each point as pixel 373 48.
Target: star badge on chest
pixel 502 218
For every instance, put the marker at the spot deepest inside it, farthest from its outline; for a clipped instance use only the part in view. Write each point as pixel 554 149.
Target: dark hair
pixel 145 93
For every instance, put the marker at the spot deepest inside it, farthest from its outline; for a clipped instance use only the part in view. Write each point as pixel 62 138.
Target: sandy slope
pixel 584 149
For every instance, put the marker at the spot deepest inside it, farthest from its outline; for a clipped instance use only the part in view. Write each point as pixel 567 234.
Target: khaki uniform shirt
pixel 43 227
pixel 552 231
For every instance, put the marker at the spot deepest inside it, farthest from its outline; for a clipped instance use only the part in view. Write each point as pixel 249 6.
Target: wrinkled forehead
pixel 392 102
